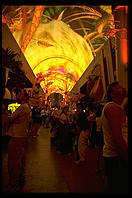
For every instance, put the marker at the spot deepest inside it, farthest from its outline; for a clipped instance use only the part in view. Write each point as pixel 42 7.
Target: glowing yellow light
pixel 13 107
pixel 59 53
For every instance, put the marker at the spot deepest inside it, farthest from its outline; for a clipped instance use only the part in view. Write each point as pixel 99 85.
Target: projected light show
pixel 59 42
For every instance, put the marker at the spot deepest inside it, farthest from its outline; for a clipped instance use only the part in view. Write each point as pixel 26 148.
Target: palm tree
pixel 10 64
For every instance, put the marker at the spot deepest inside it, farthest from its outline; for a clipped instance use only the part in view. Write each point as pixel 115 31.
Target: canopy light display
pixel 60 54
pixel 59 42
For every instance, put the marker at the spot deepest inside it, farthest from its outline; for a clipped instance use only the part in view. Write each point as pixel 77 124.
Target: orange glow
pixel 4 20
pixel 59 54
pixel 35 22
pixel 124 51
pixel 123 6
pixel 50 43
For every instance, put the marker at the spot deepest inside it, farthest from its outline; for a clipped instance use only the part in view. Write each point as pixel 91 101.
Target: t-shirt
pixel 109 149
pixel 21 118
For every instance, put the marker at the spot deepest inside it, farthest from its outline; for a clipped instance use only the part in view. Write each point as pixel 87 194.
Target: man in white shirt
pixel 18 131
pixel 115 150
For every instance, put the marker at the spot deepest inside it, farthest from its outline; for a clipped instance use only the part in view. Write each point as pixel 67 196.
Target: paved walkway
pixel 47 171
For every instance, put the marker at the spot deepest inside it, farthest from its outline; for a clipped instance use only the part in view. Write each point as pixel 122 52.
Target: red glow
pixel 124 51
pixel 61 70
pixel 3 20
pixel 123 6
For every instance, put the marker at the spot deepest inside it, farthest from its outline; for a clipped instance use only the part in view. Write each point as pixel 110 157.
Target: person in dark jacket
pixel 84 132
pixel 36 116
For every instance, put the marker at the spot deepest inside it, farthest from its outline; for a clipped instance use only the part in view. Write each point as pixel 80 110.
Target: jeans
pixel 117 175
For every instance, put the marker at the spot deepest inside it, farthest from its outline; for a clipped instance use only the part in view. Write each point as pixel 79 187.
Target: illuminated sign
pixel 13 107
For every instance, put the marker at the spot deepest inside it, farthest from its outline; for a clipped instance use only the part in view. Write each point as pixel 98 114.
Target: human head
pixel 65 109
pixel 115 91
pixel 22 96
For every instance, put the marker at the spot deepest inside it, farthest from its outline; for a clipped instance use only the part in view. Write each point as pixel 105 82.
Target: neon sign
pixel 13 107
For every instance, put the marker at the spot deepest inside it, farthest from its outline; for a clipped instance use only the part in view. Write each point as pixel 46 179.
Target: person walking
pixel 99 141
pixel 92 122
pixel 115 149
pixel 18 132
pixel 36 116
pixel 65 133
pixel 43 116
pixel 84 128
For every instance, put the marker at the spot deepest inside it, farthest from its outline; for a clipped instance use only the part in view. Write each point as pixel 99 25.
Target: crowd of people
pixel 73 129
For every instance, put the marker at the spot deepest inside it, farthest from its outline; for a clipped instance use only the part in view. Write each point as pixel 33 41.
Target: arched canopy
pixel 58 41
